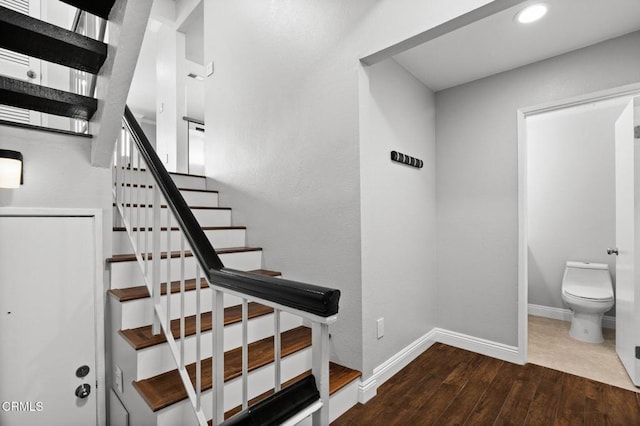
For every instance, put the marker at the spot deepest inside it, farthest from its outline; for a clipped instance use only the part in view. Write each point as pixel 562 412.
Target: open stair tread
pixel 129 257
pixel 23 94
pixel 166 389
pixel 141 292
pixel 142 337
pixel 23 34
pixel 44 129
pixel 339 377
pixel 100 8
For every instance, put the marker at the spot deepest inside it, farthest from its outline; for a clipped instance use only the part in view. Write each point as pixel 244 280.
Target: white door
pixel 19 66
pixel 47 321
pixel 627 156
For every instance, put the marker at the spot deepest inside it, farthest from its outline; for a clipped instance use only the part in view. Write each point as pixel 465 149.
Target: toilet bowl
pixel 588 292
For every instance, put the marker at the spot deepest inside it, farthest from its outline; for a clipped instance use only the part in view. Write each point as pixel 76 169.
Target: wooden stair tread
pixel 135 169
pixel 211 191
pixel 99 8
pixel 175 228
pixel 31 96
pixel 141 292
pixel 174 254
pixel 166 389
pixel 164 206
pixel 23 34
pixel 266 272
pixel 339 377
pixel 142 337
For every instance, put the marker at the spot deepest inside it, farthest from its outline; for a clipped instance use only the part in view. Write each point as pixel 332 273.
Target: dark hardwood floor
pixel 450 386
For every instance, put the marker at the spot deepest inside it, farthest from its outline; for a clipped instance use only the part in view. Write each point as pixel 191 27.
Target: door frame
pixel 522 115
pixel 99 289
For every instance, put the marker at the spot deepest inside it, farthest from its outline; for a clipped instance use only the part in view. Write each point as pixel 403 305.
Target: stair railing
pixel 142 190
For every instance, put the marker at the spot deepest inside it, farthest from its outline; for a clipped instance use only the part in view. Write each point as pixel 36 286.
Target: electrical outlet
pixel 117 379
pixel 380 322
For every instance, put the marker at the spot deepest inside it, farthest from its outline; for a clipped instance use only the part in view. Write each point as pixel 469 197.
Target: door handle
pixel 611 251
pixel 83 391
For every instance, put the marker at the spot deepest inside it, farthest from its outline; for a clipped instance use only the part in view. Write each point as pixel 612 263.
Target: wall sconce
pixel 11 175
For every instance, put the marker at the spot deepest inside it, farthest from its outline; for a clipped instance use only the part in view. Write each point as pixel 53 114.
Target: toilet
pixel 588 292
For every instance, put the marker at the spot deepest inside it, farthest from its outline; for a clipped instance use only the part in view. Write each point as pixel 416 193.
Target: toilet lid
pixel 597 292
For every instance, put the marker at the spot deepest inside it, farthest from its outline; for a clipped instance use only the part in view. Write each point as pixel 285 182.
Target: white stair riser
pixel 260 381
pixel 206 217
pixel 220 238
pixel 136 177
pixel 128 274
pixel 143 195
pixel 138 313
pixel 158 359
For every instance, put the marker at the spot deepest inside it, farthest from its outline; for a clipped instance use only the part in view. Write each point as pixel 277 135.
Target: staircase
pixel 196 334
pixel 148 369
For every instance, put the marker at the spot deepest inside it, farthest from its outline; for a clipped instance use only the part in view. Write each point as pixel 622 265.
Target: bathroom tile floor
pixel 550 346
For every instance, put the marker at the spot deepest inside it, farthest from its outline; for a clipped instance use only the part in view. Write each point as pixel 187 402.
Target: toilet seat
pixel 590 292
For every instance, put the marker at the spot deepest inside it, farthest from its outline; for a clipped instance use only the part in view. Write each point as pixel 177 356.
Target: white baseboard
pixel 386 370
pixel 478 345
pixel 564 314
pixel 368 389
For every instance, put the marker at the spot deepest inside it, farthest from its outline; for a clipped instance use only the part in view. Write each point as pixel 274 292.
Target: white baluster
pixel 198 342
pixel 277 349
pixel 168 269
pixel 320 369
pixel 182 285
pixel 245 353
pixel 218 356
pixel 156 258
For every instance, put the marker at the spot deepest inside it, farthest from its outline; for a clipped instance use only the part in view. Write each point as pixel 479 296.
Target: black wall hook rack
pixel 406 159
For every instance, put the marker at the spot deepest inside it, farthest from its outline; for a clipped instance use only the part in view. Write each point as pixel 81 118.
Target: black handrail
pixel 279 407
pixel 321 301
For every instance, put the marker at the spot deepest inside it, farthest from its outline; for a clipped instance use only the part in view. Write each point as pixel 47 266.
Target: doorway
pixel 51 317
pixel 567 212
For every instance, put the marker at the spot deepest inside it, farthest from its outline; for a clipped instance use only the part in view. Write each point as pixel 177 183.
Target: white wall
pixel 283 131
pixel 58 174
pixel 570 194
pixel 398 213
pixel 282 141
pixel 477 169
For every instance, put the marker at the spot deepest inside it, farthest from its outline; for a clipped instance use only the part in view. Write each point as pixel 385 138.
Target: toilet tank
pixel 589 280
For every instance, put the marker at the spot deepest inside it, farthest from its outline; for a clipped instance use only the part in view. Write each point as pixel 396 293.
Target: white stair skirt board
pixel 158 359
pixel 143 195
pixel 138 313
pixel 260 381
pixel 564 314
pixel 181 181
pixel 205 217
pixel 128 274
pixel 220 238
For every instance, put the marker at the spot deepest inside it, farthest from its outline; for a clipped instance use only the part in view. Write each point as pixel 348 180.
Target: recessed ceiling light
pixel 531 13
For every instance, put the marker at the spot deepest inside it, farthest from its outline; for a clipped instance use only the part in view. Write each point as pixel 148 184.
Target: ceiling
pixel 498 43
